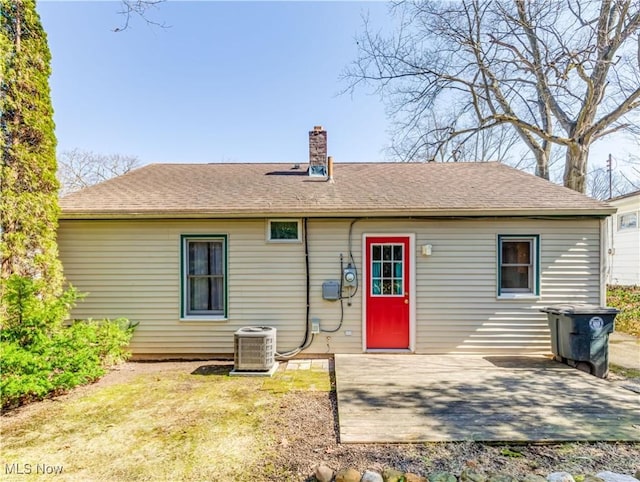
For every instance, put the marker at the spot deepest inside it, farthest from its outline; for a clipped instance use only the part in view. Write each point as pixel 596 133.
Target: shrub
pixel 627 300
pixel 39 355
pixel 24 374
pixel 28 318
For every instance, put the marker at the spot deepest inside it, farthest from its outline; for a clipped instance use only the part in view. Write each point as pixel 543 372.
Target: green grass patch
pixel 298 380
pixel 168 425
pixel 624 372
pixel 627 300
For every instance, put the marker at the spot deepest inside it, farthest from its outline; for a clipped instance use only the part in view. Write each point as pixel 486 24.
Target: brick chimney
pixel 318 152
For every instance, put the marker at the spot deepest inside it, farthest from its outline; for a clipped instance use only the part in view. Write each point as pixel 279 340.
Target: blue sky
pixel 225 82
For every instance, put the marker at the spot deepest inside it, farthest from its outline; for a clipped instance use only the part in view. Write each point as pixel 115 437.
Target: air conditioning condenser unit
pixel 254 349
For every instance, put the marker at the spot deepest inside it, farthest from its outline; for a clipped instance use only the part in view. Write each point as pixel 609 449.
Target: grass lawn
pixel 174 424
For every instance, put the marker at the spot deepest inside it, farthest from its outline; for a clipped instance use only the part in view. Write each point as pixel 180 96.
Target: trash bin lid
pixel 579 309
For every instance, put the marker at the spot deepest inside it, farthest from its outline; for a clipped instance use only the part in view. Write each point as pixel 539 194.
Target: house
pixel 624 241
pixel 408 257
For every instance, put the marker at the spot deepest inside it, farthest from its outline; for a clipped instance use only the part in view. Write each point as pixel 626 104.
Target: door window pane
pixel 376 287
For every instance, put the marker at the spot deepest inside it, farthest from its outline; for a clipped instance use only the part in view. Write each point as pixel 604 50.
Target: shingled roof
pixel 362 189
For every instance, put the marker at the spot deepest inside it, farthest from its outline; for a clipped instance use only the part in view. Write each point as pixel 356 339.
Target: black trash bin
pixel 580 335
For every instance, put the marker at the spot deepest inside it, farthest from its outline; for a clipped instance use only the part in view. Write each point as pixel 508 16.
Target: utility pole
pixel 609 168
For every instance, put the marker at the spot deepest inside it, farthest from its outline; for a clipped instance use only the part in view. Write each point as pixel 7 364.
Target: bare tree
pixel 598 184
pixel 137 8
pixel 559 73
pixel 633 163
pixel 78 169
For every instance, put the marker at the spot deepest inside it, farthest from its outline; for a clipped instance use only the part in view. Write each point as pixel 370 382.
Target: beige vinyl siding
pixel 132 269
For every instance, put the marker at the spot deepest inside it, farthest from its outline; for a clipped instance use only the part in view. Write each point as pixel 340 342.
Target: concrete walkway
pixel 624 350
pixel 420 398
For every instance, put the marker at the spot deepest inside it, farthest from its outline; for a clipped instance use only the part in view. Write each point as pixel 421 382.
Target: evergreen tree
pixel 28 184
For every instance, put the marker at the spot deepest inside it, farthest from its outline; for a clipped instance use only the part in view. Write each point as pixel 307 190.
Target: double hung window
pixel 204 276
pixel 518 266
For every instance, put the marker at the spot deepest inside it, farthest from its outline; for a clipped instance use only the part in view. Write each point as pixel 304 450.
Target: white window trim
pixel 184 262
pixel 283 220
pixel 627 228
pixel 534 239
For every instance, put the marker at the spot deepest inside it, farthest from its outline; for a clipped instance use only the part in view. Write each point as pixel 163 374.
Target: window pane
pixel 199 289
pixel 397 270
pixel 284 229
pixel 386 270
pixel 198 258
pixel 375 272
pixel 397 287
pixel 386 253
pixel 515 277
pixel 377 253
pixel 516 252
pixel 215 258
pixel 627 221
pixel 217 294
pixel 386 286
pixel 397 253
pixel 376 283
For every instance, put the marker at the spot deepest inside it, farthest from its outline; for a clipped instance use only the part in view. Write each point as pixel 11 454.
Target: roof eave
pixel 404 213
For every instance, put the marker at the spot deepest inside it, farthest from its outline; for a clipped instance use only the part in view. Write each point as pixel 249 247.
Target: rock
pixel 323 473
pixel 392 475
pixel 371 476
pixel 614 477
pixel 470 475
pixel 592 478
pixel 409 477
pixel 533 478
pixel 560 477
pixel 637 474
pixel 348 475
pixel 498 477
pixel 442 477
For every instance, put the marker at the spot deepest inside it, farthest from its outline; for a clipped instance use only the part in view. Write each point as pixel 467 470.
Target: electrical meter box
pixel 350 277
pixel 331 290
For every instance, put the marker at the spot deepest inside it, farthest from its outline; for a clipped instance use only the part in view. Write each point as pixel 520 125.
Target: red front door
pixel 387 296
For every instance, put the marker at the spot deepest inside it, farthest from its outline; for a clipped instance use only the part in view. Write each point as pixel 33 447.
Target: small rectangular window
pixel 284 230
pixel 203 276
pixel 627 221
pixel 518 266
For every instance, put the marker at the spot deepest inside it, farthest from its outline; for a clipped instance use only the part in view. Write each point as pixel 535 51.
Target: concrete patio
pixel 418 398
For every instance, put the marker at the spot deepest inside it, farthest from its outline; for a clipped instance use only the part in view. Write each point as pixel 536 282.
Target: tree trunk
pixel 575 168
pixel 542 164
